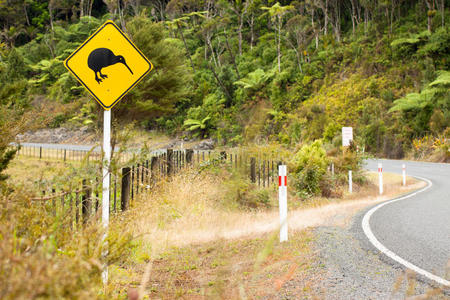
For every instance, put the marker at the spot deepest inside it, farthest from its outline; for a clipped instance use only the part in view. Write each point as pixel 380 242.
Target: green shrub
pixel 309 168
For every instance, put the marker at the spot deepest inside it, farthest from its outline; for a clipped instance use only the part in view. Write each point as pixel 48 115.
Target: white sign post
pixel 106 175
pixel 282 198
pixel 404 174
pixel 347 136
pixel 380 177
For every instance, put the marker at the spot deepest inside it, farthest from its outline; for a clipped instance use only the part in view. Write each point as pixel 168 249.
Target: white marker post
pixel 404 174
pixel 350 182
pixel 282 198
pixel 106 175
pixel 380 177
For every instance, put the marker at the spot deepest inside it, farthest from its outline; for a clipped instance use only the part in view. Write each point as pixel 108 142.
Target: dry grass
pixel 193 219
pixel 46 256
pixel 26 171
pixel 233 269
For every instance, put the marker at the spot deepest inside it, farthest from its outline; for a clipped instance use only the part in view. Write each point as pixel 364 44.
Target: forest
pixel 246 72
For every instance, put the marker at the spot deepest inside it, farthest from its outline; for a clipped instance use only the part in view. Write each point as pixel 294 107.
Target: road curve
pixel 417 229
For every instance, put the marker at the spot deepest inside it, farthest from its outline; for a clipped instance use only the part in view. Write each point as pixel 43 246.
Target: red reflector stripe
pixel 285 180
pixel 280 181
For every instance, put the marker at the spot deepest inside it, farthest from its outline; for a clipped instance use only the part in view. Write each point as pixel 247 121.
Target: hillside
pixel 245 72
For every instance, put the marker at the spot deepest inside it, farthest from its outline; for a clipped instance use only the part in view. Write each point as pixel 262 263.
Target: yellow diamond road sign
pixel 108 64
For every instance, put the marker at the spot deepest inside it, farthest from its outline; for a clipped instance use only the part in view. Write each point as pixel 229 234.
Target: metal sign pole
pixel 106 175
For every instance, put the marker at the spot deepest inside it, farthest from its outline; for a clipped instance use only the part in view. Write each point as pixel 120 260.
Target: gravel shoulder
pixel 353 269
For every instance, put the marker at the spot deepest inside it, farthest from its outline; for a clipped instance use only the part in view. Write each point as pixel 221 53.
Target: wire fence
pixel 82 203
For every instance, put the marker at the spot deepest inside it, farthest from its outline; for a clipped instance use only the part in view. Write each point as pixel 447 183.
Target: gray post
pixel 169 161
pixel 86 201
pixel 53 201
pixel 253 169
pixel 125 196
pixel 189 155
pixel 153 169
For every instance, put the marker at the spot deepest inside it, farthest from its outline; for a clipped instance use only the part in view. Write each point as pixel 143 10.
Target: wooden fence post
pixel 264 173
pixel 132 183
pixel 86 201
pixel 169 161
pixel 77 207
pixel 40 152
pixel 125 196
pixel 223 155
pixel 153 168
pixel 137 178
pixel 146 173
pixel 53 201
pixel 253 169
pixel 189 155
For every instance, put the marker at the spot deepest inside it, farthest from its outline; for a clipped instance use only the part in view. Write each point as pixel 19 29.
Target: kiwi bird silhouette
pixel 101 58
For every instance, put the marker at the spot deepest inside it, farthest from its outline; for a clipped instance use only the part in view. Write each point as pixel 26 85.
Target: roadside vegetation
pixel 212 233
pixel 275 77
pixel 206 232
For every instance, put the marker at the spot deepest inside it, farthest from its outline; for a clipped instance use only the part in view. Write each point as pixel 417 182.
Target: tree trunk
pixel 226 92
pixel 313 26
pixel 298 61
pixel 430 5
pixel 429 22
pixel 91 3
pixel 353 13
pixel 187 49
pixel 326 18
pixel 366 19
pixel 278 44
pixel 297 54
pixel 208 41
pixel 50 11
pixel 233 60
pixel 337 21
pixel 252 19
pixel 26 14
pixel 240 33
pixel 81 8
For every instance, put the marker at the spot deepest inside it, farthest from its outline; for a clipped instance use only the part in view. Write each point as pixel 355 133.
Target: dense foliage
pixel 248 71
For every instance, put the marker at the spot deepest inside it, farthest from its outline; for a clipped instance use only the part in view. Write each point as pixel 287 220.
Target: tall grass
pixel 43 256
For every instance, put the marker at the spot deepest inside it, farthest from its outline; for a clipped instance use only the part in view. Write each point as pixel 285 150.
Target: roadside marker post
pixel 282 198
pixel 380 177
pixel 350 182
pixel 110 51
pixel 404 174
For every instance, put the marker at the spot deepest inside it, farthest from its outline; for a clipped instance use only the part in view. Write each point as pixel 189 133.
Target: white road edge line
pixel 368 232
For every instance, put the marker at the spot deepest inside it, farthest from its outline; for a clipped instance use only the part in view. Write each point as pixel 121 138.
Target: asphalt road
pixel 79 147
pixel 62 146
pixel 417 229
